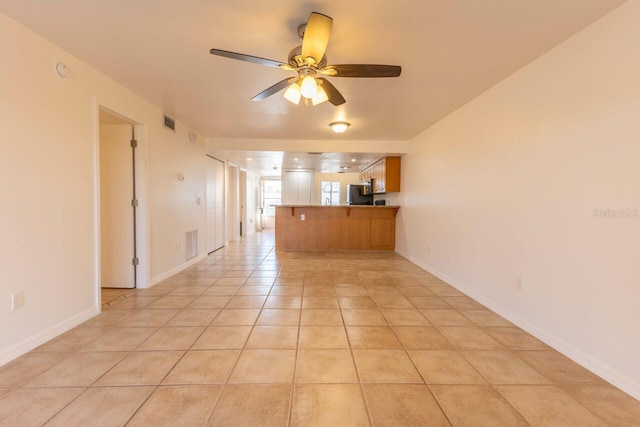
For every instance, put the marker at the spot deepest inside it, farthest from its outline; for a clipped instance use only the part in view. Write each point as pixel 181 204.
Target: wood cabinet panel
pixel 335 228
pixel 382 232
pixel 385 174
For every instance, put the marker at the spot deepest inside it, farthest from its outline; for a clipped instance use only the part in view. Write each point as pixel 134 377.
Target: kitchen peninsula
pixel 328 228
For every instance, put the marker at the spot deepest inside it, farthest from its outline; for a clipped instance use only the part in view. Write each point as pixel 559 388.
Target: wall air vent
pixel 192 244
pixel 169 123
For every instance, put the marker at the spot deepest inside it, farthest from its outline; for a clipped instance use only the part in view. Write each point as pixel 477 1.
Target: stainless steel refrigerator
pixel 355 195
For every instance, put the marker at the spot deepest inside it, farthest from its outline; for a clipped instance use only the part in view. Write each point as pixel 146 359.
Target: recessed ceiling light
pixel 249 159
pixel 295 160
pixel 353 160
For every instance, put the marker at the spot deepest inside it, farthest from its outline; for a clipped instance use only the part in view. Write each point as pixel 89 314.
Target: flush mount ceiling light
pixel 339 127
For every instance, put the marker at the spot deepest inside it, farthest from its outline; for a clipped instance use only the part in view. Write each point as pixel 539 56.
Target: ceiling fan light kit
pixel 309 60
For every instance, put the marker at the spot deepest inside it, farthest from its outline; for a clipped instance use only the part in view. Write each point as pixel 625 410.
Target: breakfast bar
pixel 330 228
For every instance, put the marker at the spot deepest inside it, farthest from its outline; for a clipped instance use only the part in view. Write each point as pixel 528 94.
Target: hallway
pixel 251 337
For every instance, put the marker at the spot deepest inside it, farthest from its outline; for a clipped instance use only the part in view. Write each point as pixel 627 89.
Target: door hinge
pixel 134 203
pixel 135 261
pixel 134 143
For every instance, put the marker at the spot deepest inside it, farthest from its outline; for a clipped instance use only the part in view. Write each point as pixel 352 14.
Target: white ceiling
pixel 272 163
pixel 450 52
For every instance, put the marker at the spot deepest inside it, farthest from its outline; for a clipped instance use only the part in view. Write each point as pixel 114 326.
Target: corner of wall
pixel 24 346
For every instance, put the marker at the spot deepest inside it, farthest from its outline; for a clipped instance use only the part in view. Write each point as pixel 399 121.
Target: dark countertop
pixel 339 206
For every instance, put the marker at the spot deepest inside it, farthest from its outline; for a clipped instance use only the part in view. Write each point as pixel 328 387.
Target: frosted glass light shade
pixel 320 97
pixel 292 94
pixel 309 87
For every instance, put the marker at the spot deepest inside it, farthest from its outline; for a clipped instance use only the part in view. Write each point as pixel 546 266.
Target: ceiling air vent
pixel 169 123
pixel 315 153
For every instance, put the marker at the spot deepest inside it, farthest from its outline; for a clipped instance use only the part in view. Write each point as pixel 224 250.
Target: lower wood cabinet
pixel 335 228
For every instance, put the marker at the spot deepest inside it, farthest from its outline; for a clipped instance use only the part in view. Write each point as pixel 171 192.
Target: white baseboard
pixel 175 270
pixel 24 346
pixel 599 368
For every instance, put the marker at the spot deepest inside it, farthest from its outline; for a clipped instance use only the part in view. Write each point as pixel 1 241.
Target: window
pixel 271 196
pixel 330 193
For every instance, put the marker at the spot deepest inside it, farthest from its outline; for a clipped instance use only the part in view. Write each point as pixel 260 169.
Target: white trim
pixel 175 270
pixel 603 370
pixel 42 337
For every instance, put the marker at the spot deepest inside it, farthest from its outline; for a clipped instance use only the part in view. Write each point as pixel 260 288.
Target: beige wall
pixel 501 189
pixel 48 187
pixel 505 188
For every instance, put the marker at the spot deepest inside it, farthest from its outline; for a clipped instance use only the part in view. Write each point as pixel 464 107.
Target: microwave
pixel 367 187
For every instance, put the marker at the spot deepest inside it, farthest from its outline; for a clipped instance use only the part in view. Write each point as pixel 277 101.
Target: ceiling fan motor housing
pixel 297 61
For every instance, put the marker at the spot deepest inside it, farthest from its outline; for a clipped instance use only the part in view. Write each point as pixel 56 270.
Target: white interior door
pixel 116 211
pixel 211 205
pixel 296 187
pixel 232 208
pixel 304 188
pixel 215 209
pixel 290 188
pixel 243 203
pixel 219 205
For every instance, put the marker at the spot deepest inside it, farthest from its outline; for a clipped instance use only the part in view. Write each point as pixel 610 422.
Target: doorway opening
pixel 233 198
pixel 271 196
pixel 119 226
pixel 215 204
pixel 243 203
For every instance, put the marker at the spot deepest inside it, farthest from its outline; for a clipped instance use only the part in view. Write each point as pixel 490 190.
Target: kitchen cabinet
pixel 385 174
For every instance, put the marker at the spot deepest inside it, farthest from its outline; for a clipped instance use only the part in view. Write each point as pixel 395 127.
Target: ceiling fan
pixel 309 61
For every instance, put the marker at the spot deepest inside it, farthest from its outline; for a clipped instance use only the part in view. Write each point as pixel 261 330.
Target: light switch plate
pixel 17 300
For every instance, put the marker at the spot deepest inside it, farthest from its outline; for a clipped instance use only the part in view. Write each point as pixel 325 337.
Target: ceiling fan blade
pixel 248 58
pixel 316 36
pixel 366 70
pixel 274 89
pixel 334 96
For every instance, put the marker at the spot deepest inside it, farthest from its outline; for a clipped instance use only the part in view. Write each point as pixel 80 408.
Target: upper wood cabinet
pixel 385 174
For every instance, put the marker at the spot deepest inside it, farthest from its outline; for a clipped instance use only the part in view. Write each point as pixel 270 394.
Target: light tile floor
pixel 250 337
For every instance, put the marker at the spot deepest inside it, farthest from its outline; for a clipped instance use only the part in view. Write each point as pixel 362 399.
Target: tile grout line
pixel 244 347
pixel 424 382
pixel 295 362
pixel 355 365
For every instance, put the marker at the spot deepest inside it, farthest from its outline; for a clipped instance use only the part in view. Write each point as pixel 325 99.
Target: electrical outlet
pixel 17 300
pixel 303 217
